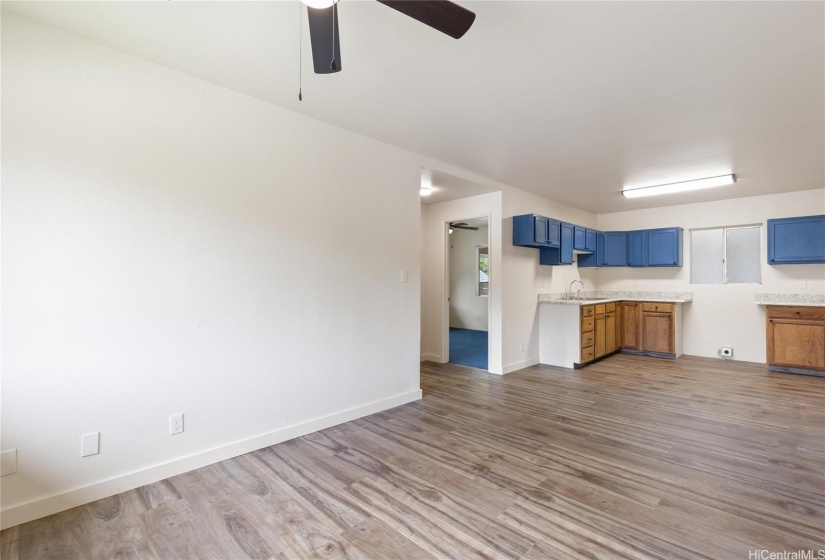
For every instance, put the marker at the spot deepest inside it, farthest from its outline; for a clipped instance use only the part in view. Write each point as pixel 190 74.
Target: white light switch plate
pixel 90 444
pixel 8 462
pixel 803 285
pixel 405 275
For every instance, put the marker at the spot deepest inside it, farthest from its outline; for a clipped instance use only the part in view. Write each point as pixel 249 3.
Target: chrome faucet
pixel 570 289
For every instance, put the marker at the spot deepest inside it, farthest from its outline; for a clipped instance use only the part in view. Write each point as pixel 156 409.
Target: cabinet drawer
pixel 657 307
pixel 587 340
pixel 609 307
pixel 796 313
pixel 600 309
pixel 587 354
pixel 587 325
pixel 587 311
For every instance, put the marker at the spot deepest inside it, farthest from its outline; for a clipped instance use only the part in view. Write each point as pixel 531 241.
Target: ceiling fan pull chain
pixel 300 53
pixel 334 9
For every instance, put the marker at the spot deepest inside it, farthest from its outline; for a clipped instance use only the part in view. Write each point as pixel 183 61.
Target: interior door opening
pixel 468 290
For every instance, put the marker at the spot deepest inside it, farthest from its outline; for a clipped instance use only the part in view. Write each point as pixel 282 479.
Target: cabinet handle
pixel 771 321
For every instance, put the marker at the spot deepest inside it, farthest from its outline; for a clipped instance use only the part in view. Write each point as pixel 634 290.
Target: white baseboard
pixel 36 509
pixel 431 358
pixel 519 365
pixel 555 362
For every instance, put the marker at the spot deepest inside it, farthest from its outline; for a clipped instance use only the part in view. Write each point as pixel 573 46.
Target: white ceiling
pixel 568 100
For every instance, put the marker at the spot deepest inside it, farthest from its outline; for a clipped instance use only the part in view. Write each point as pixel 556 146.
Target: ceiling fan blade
pixel 321 23
pixel 443 15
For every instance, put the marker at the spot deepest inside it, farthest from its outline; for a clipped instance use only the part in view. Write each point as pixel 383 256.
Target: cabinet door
pixel 657 332
pixel 610 344
pixel 553 232
pixel 796 240
pixel 590 240
pixel 601 335
pixel 579 238
pixel 636 248
pixel 631 325
pixel 615 248
pixel 664 247
pixel 796 343
pixel 566 243
pixel 541 230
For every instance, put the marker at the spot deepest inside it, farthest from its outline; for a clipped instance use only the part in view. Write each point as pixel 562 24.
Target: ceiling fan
pixel 461 225
pixel 442 15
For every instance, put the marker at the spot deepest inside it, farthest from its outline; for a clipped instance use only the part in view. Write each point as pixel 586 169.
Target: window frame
pixel 724 230
pixel 477 270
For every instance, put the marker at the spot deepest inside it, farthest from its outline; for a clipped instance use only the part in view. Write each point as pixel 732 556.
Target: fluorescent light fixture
pixel 683 186
pixel 426 183
pixel 319 4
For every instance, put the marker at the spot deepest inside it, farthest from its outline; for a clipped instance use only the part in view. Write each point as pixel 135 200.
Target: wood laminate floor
pixel 632 457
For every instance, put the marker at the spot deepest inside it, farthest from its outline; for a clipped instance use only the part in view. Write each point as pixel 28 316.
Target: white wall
pixel 434 309
pixel 467 309
pixel 525 278
pixel 173 246
pixel 720 315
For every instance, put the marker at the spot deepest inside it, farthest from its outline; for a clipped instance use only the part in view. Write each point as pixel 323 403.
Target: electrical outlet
pixel 405 275
pixel 90 444
pixel 803 285
pixel 176 424
pixel 8 462
pixel 726 352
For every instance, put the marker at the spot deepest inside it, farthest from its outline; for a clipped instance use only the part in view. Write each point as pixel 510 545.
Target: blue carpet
pixel 468 348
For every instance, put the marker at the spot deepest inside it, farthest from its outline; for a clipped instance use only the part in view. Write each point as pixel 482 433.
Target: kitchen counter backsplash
pixel 790 299
pixel 646 296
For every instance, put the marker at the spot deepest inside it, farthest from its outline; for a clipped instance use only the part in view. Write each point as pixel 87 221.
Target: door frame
pixel 445 302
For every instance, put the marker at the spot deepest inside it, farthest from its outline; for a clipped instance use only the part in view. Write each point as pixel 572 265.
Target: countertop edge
pixel 790 304
pixel 611 300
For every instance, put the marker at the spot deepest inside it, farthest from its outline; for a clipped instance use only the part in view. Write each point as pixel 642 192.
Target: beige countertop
pixel 790 300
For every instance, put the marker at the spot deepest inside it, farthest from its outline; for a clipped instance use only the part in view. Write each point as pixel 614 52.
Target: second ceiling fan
pixel 442 15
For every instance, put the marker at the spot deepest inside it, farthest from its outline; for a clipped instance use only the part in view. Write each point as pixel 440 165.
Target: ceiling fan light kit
pixel 442 15
pixel 682 186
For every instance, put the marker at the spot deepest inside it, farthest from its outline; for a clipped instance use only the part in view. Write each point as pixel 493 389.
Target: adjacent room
pixel 384 279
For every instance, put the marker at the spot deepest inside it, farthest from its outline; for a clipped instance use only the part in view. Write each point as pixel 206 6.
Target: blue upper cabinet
pixel 637 248
pixel 584 239
pixel 579 238
pixel 796 240
pixel 596 258
pixel 564 253
pixel 615 248
pixel 664 247
pixel 530 230
pixel 590 240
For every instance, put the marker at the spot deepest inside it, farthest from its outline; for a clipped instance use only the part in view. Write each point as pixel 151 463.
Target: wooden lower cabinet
pixel 610 331
pixel 796 338
pixel 640 327
pixel 657 332
pixel 631 325
pixel 601 336
pixel 600 331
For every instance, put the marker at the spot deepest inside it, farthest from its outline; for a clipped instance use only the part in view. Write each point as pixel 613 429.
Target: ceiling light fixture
pixel 683 186
pixel 426 183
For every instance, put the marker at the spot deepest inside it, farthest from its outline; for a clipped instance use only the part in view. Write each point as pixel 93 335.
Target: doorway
pixel 468 290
